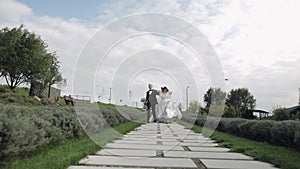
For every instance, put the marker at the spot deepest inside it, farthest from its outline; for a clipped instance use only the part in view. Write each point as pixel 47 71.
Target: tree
pixel 230 111
pixel 194 106
pixel 242 100
pixel 21 55
pixel 280 114
pixel 143 100
pixel 53 76
pixel 49 76
pixel 214 95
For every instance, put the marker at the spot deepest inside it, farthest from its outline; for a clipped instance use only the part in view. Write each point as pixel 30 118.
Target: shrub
pixel 297 137
pixel 261 130
pixel 24 129
pixel 230 125
pixel 246 129
pixel 189 119
pixel 282 133
pixel 17 99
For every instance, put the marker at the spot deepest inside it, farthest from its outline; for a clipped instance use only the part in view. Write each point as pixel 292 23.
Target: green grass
pixel 101 104
pixel 19 90
pixel 68 152
pixel 282 157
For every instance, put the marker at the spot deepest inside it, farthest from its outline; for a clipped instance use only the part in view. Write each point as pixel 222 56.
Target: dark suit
pixel 151 103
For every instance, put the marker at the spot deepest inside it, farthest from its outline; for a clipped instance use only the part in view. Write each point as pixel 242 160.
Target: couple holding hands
pixel 160 107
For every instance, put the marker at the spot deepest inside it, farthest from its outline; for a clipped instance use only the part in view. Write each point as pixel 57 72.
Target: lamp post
pixel 109 95
pixel 187 99
pixel 299 97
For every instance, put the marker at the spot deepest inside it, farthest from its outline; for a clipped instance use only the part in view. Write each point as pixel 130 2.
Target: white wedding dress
pixel 166 111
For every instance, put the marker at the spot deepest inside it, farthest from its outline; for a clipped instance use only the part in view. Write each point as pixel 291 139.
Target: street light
pixel 187 99
pixel 109 95
pixel 299 97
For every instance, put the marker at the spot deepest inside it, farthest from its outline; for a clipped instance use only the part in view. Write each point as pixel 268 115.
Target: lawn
pixel 281 157
pixel 68 152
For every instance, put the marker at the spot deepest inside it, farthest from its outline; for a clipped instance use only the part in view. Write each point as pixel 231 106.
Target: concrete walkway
pixel 157 145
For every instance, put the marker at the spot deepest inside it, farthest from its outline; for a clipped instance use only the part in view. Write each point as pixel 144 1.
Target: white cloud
pixel 257 41
pixel 65 37
pixel 11 10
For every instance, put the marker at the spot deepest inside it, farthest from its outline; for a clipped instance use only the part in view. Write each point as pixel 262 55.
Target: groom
pixel 151 102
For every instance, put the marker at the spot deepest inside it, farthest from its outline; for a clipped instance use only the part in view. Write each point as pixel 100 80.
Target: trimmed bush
pixel 230 125
pixel 25 129
pixel 262 130
pixel 282 133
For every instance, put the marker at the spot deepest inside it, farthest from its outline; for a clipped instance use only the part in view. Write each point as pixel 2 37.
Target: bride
pixel 166 111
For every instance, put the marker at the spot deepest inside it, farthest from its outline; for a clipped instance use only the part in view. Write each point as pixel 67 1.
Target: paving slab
pixel 97 167
pixel 180 147
pixel 208 144
pixel 139 161
pixel 202 144
pixel 148 135
pixel 140 136
pixel 209 149
pixel 206 155
pixel 151 139
pixel 135 141
pixel 127 152
pixel 173 142
pixel 143 146
pixel 196 141
pixel 235 164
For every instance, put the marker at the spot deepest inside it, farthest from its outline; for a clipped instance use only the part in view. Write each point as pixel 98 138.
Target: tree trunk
pixel 49 90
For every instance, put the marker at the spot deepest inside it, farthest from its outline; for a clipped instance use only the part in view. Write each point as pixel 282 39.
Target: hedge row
pixel 94 119
pixel 25 129
pixel 282 133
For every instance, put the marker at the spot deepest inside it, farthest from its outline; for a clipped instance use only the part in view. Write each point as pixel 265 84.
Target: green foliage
pixel 23 91
pixel 280 114
pixel 296 116
pixel 23 130
pixel 230 111
pixel 18 99
pixel 242 100
pixel 281 157
pixel 194 107
pixel 94 119
pixel 21 55
pixel 49 76
pixel 282 133
pixel 214 96
pixel 68 152
pixel 24 58
pixel 144 101
pixel 230 125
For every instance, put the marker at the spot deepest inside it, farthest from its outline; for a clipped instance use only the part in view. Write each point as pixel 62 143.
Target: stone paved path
pixel 157 145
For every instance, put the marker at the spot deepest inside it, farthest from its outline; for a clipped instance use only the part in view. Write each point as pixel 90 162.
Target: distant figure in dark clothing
pixel 69 99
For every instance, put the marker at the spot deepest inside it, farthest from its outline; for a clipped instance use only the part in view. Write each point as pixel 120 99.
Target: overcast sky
pixel 257 43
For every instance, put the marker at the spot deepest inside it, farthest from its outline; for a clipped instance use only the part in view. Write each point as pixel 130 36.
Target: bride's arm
pixel 158 98
pixel 169 94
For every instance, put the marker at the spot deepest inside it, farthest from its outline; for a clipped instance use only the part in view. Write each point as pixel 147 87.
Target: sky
pixel 256 42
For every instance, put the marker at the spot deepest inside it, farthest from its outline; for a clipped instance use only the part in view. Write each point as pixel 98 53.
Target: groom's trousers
pixel 151 111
